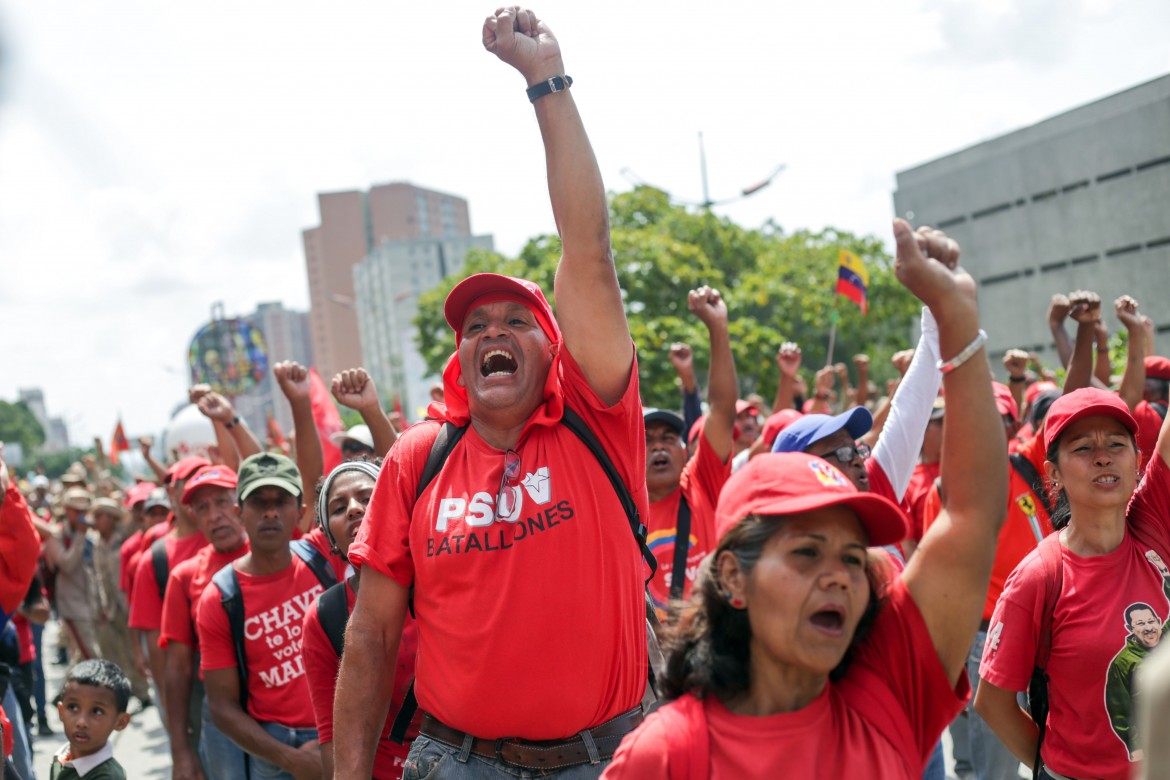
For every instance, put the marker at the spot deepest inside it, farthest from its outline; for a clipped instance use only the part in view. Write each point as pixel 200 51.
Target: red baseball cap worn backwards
pixel 215 476
pixel 1086 402
pixel 785 483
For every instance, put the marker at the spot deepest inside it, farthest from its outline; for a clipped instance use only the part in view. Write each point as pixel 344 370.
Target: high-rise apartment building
pixel 352 225
pixel 56 431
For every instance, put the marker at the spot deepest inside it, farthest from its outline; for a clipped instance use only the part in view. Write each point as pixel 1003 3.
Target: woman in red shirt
pixel 1109 603
pixel 801 654
pixel 342 498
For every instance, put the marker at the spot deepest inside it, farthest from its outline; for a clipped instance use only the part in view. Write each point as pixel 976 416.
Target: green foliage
pixel 778 288
pixel 19 425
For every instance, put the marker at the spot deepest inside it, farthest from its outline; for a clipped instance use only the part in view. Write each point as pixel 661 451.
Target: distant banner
pixel 229 355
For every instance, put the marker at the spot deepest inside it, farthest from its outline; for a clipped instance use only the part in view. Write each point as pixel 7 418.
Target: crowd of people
pixel 547 578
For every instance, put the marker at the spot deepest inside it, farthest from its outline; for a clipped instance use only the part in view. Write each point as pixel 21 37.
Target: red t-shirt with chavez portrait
pixel 1091 729
pixel 184 587
pixel 702 479
pixel 274 617
pixel 532 625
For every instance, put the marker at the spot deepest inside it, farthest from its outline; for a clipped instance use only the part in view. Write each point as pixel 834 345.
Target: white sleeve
pixel 900 441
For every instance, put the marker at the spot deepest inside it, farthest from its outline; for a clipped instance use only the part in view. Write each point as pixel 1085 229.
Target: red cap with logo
pixel 785 483
pixel 215 476
pixel 1079 404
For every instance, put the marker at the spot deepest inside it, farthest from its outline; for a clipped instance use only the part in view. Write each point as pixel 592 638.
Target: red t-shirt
pixel 535 626
pixel 1026 523
pixel 702 479
pixel 1086 732
pixel 917 493
pixel 146 607
pixel 130 557
pixel 184 587
pixel 883 719
pixel 316 537
pixel 24 638
pixel 274 616
pixel 321 665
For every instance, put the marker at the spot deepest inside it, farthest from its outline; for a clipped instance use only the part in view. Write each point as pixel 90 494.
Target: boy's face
pixel 89 714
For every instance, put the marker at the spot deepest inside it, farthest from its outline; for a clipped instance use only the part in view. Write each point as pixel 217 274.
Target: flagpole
pixel 832 333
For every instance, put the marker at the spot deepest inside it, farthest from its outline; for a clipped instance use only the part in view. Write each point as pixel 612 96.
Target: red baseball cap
pixel 742 406
pixel 1035 389
pixel 215 476
pixel 480 289
pixel 778 422
pixel 185 468
pixel 1086 402
pixel 1005 402
pixel 138 493
pixel 784 483
pixel 1157 367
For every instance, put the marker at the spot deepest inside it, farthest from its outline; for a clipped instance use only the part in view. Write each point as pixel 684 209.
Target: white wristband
pixel 961 358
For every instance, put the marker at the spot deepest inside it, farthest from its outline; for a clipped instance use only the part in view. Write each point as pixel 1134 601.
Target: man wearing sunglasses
pixel 526 578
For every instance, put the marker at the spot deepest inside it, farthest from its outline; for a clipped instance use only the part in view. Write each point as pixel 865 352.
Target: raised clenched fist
pixel 1085 306
pixel 522 40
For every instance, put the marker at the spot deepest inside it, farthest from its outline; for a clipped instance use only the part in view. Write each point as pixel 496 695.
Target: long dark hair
pixel 1061 511
pixel 708 649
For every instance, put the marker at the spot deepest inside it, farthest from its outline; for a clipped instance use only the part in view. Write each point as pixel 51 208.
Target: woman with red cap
pixel 801 654
pixel 1098 590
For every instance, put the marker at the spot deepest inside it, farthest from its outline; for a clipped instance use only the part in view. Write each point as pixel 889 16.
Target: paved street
pixel 141 748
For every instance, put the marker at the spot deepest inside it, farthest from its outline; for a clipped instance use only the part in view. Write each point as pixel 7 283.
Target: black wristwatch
pixel 549 86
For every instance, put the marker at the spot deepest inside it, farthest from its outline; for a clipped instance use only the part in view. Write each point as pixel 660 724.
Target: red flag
pixel 274 432
pixel 326 418
pixel 118 443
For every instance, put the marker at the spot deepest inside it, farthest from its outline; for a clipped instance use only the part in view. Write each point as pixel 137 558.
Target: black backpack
pixel 160 563
pixel 332 606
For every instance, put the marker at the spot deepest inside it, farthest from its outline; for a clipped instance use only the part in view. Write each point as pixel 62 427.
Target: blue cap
pixel 811 428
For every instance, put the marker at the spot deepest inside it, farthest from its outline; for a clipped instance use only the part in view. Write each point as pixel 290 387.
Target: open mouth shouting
pixel 829 619
pixel 659 459
pixel 497 362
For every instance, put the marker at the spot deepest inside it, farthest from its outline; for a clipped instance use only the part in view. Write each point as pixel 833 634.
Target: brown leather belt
pixel 545 754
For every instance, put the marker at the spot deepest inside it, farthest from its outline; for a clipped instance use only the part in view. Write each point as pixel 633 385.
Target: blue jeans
pixel 38 633
pixel 221 757
pixel 263 770
pixel 936 767
pixel 991 760
pixel 431 760
pixel 22 759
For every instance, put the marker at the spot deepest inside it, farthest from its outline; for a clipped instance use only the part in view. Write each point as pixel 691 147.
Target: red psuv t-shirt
pixel 184 587
pixel 1087 723
pixel 321 665
pixel 146 605
pixel 533 625
pixel 883 719
pixel 702 479
pixel 274 617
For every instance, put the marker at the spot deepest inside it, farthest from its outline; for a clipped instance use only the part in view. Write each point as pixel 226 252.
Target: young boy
pixel 93 704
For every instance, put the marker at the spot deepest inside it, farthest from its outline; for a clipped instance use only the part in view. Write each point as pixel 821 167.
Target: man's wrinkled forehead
pixel 475 309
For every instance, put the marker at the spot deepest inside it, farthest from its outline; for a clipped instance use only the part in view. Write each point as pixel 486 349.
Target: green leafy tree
pixel 778 288
pixel 18 424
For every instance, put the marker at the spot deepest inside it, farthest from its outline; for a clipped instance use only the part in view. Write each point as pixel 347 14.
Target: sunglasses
pixel 849 453
pixel 508 480
pixel 353 448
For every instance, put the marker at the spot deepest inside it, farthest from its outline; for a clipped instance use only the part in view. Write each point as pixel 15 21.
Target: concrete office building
pixel 1077 201
pixel 286 335
pixel 352 224
pixel 56 431
pixel 388 283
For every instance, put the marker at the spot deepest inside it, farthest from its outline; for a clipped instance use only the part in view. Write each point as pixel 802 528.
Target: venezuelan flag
pixel 852 279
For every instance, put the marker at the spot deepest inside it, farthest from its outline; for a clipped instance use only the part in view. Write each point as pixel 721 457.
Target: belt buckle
pixel 499 744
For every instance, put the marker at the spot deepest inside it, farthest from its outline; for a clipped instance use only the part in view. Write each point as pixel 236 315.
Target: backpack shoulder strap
pixel 160 563
pixel 1053 562
pixel 333 614
pixel 682 546
pixel 445 440
pixel 1160 408
pixel 304 549
pixel 232 599
pixel 578 426
pixel 1025 469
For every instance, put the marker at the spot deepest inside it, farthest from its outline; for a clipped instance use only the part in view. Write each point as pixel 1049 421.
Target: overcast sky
pixel 157 157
